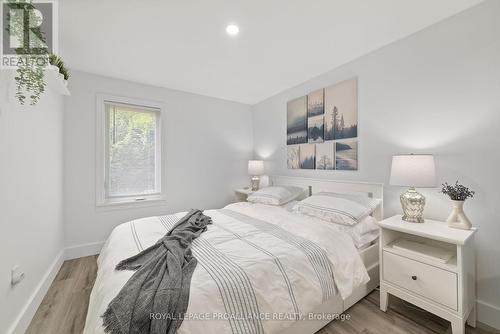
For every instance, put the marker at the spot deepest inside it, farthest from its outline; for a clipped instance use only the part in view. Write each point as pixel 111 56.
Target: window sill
pixel 130 203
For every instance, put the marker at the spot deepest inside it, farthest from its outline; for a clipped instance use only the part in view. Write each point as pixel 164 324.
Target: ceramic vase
pixel 457 218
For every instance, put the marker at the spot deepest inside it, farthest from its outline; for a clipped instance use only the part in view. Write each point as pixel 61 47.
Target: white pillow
pixel 337 208
pixel 372 203
pixel 275 195
pixel 362 233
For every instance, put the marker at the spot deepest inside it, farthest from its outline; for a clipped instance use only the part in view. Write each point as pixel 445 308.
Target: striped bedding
pixel 260 268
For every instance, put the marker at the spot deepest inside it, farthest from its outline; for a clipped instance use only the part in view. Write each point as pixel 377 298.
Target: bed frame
pixel 369 255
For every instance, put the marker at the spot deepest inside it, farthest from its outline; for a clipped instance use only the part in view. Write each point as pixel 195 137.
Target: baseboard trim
pixel 21 323
pixel 488 314
pixel 83 250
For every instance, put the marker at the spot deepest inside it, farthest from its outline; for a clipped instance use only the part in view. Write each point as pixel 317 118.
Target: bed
pixel 261 268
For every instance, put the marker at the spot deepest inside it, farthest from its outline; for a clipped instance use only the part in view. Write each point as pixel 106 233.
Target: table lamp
pixel 255 168
pixel 413 170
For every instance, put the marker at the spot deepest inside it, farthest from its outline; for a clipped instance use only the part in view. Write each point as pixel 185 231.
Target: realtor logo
pixel 28 32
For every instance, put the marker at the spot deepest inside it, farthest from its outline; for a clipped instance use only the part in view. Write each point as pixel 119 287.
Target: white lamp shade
pixel 255 167
pixel 413 170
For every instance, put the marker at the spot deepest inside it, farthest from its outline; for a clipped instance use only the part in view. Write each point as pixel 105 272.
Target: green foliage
pixel 30 74
pixel 457 192
pixel 57 61
pixel 29 79
pixel 132 150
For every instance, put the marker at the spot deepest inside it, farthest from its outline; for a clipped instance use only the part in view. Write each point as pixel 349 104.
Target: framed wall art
pixel 322 128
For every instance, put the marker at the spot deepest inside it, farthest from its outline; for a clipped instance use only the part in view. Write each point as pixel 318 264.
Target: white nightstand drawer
pixel 430 282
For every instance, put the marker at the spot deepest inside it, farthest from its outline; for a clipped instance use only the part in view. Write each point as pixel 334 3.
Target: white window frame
pixel 101 152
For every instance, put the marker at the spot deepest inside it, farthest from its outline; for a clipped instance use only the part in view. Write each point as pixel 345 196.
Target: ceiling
pixel 182 44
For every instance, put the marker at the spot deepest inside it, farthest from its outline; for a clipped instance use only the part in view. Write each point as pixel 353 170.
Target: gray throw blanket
pixel 156 297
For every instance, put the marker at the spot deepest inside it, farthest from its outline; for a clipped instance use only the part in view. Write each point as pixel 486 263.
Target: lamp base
pixel 255 183
pixel 413 204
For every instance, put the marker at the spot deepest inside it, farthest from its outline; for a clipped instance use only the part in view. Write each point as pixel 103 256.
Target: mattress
pixel 308 262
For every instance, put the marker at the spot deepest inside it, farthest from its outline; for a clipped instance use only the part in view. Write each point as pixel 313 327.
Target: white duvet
pixel 259 268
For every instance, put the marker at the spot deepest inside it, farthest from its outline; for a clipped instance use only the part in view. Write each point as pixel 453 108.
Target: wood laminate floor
pixel 64 308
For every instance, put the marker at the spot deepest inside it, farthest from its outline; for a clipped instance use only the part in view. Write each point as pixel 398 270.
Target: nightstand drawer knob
pixel 414 277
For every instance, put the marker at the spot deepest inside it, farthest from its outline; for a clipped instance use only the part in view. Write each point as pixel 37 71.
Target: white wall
pixel 437 91
pixel 208 143
pixel 30 195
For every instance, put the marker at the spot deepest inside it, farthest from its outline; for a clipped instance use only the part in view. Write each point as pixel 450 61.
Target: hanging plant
pixel 32 58
pixel 29 80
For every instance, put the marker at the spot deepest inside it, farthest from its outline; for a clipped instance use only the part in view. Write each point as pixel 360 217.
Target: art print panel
pixel 325 156
pixel 346 155
pixel 307 156
pixel 296 127
pixel 292 157
pixel 341 110
pixel 315 103
pixel 315 129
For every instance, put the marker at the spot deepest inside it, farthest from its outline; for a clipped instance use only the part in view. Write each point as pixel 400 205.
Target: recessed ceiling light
pixel 232 30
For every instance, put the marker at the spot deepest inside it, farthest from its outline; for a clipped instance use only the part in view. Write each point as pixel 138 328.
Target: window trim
pixel 101 151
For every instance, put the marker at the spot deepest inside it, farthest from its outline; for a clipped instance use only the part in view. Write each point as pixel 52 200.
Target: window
pixel 129 149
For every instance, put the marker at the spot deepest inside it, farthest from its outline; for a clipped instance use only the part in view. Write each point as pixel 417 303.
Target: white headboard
pixel 373 190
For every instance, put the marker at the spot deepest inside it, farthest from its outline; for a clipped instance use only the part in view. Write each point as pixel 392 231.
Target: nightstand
pixel 429 265
pixel 242 194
